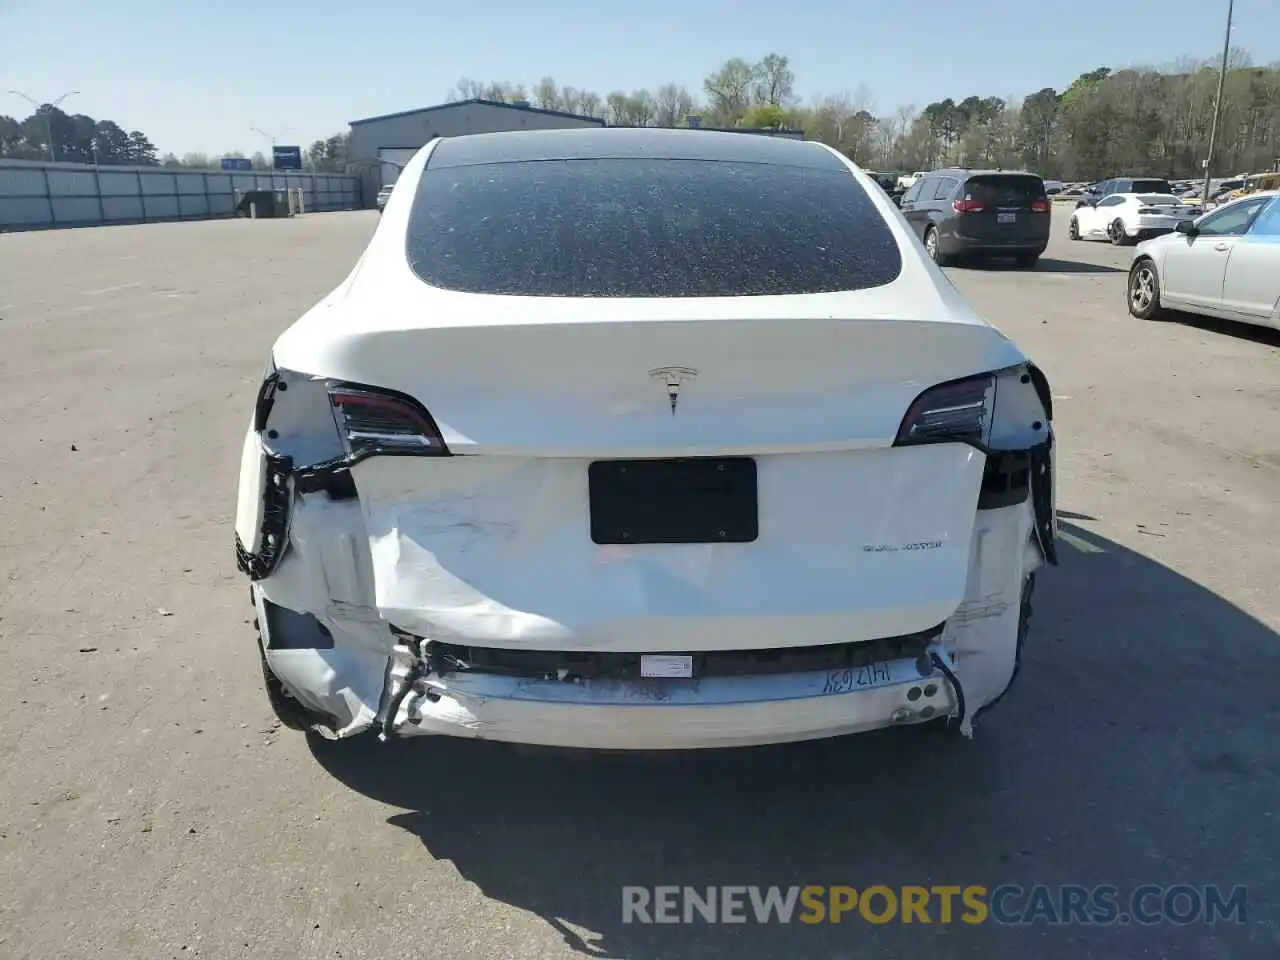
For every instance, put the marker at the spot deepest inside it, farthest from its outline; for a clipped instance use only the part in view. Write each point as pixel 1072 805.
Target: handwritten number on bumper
pixel 856 678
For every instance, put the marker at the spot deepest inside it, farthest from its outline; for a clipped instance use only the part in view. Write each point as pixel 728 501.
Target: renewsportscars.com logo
pixel 1007 904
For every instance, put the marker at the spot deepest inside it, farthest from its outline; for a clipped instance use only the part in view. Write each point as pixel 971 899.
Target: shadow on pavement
pixel 1050 265
pixel 1229 328
pixel 1136 747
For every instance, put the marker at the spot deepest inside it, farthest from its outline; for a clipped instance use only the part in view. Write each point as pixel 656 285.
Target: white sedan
pixel 1225 264
pixel 1129 217
pixel 642 439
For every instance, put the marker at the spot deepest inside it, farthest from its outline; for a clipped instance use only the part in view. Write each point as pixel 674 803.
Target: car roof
pixel 967 172
pixel 523 146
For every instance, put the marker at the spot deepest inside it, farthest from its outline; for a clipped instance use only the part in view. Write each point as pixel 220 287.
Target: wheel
pixel 1116 234
pixel 933 246
pixel 1144 291
pixel 1073 229
pixel 1027 261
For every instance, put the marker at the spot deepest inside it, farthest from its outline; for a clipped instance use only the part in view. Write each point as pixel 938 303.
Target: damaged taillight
pixel 378 421
pixel 954 412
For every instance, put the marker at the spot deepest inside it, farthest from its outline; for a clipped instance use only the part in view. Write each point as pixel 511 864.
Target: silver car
pixel 1224 264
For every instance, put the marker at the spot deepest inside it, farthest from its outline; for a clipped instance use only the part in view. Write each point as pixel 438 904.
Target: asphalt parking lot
pixel 150 807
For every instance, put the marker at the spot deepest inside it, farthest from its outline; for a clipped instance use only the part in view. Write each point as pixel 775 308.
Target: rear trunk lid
pixel 515 541
pixel 1162 204
pixel 1008 209
pixel 762 384
pixel 503 552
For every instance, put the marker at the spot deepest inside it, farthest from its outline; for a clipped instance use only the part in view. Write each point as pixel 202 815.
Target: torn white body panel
pixel 496 552
pixel 326 574
pixel 981 647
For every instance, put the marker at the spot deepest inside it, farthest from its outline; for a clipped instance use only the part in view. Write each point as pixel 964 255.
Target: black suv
pixel 1105 188
pixel 979 213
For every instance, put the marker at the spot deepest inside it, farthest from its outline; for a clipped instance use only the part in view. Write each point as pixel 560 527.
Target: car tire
pixel 1142 292
pixel 1073 229
pixel 933 246
pixel 1116 234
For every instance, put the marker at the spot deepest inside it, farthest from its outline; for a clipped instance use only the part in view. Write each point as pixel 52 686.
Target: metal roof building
pixel 382 144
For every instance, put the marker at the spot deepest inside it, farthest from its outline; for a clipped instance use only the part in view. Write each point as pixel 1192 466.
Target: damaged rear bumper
pixel 354 673
pixel 677 714
pixel 304 540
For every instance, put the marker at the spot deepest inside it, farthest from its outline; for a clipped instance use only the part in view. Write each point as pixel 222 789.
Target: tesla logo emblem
pixel 673 378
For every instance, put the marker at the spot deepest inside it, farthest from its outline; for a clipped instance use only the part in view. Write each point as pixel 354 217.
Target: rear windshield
pixel 647 228
pixel 1159 198
pixel 1151 186
pixel 1004 190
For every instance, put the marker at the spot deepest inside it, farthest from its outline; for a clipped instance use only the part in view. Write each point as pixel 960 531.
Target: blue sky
pixel 188 73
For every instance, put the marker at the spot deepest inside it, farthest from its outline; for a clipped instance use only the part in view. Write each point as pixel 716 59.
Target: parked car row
pixel 1223 261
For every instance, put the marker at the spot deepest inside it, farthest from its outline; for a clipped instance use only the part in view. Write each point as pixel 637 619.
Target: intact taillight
pixel 967 206
pixel 1039 206
pixel 955 412
pixel 376 421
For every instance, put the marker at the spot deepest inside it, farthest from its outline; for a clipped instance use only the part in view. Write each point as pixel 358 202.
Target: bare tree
pixel 546 95
pixel 730 91
pixel 503 91
pixel 467 89
pixel 671 105
pixel 589 103
pixel 845 121
pixel 774 80
pixel 641 104
pixel 619 109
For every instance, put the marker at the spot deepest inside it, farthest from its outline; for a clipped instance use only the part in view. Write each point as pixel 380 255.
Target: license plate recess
pixel 684 500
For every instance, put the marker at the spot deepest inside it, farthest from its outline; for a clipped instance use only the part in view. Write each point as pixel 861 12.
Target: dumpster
pixel 264 203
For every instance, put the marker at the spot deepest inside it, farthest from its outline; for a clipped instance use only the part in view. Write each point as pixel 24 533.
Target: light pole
pixel 48 114
pixel 263 133
pixel 1217 105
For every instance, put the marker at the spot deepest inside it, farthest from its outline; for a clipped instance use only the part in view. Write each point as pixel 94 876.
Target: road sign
pixel 237 163
pixel 286 158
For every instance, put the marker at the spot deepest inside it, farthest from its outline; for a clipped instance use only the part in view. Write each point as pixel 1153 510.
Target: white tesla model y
pixel 642 439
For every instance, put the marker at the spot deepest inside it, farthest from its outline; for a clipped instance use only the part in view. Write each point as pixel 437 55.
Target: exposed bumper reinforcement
pixel 671 714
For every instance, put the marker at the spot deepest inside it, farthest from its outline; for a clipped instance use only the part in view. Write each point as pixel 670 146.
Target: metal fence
pixel 36 194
